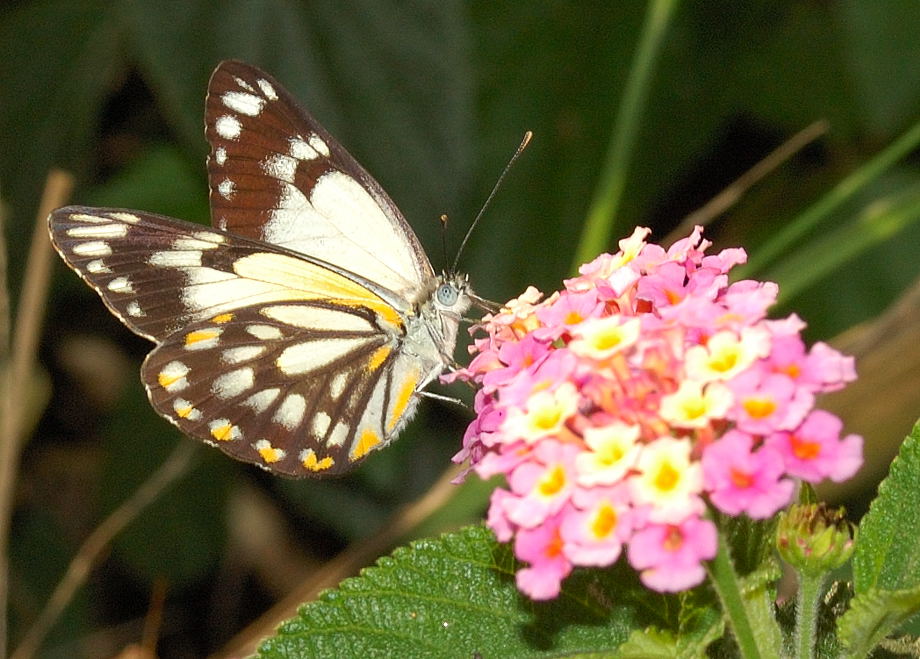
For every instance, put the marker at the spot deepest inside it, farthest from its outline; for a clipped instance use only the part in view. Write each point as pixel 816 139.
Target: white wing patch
pixel 312 317
pixel 262 400
pixel 342 224
pixel 290 413
pixel 228 127
pixel 234 383
pixel 99 231
pixel 308 356
pixel 248 104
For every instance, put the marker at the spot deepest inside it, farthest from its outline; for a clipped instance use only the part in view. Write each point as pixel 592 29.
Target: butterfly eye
pixel 447 295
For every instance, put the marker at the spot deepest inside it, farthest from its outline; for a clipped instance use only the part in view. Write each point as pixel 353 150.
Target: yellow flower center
pixel 724 362
pixel 604 522
pixel 552 482
pixel 759 408
pixel 666 478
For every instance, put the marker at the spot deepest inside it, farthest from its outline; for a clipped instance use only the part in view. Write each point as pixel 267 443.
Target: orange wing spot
pixel 384 311
pixel 184 412
pixel 378 358
pixel 166 379
pixel 406 391
pixel 309 461
pixel 222 318
pixel 268 452
pixel 369 439
pixel 200 335
pixel 222 433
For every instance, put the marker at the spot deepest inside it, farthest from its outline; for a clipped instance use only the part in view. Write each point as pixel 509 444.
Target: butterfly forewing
pixel 276 175
pixel 145 267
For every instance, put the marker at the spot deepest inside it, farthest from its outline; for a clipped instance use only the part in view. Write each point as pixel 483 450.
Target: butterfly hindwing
pixel 299 388
pixel 276 175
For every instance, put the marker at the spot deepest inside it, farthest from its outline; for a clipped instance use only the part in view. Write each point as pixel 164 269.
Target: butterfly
pixel 299 331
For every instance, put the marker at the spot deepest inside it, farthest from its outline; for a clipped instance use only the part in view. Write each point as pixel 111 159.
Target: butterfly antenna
pixel 469 232
pixel 444 238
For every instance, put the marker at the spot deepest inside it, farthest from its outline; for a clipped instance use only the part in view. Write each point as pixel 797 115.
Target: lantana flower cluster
pixel 619 406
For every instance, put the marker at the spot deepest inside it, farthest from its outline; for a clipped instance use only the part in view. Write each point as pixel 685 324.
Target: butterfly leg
pixel 446 399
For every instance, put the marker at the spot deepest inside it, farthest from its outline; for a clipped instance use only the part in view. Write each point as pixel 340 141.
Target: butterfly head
pixel 452 296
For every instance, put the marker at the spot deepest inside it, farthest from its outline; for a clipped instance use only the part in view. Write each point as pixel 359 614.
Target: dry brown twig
pixel 19 362
pixel 704 215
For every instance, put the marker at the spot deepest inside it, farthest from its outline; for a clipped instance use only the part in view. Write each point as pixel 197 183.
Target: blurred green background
pixel 432 97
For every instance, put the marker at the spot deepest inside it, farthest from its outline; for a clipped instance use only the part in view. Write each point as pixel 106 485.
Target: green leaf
pixel 700 624
pixel 751 541
pixel 887 554
pixel 874 615
pixel 649 644
pixel 455 596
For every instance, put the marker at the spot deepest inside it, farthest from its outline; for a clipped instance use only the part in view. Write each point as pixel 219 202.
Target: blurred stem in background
pixel 791 234
pixel 18 363
pixel 601 224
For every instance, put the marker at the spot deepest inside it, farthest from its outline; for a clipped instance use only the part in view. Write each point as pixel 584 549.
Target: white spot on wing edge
pixel 203 339
pixel 290 413
pixel 86 217
pixel 244 103
pixel 120 285
pixel 209 237
pixel 267 89
pixel 268 452
pixel 98 267
pixel 226 188
pixel 172 377
pixel 301 150
pixel 222 430
pixel 228 127
pixel 185 410
pixel 130 218
pixel 317 143
pixel 93 248
pixel 99 231
pixel 220 155
pixel 134 309
pixel 242 83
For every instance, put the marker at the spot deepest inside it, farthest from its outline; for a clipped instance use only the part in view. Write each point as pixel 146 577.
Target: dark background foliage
pixel 431 96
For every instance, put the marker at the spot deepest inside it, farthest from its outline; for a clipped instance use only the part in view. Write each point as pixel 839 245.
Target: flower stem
pixel 728 587
pixel 601 220
pixel 807 614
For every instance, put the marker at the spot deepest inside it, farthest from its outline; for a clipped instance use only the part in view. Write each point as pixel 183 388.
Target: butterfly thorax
pixel 432 332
